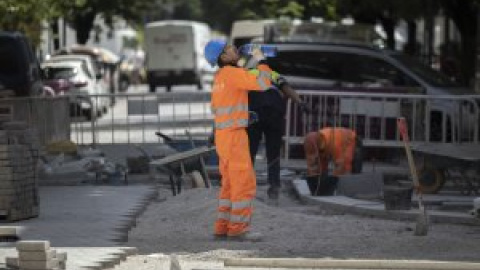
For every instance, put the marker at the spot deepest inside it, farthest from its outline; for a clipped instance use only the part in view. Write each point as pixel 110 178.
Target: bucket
pixel 322 185
pixel 397 197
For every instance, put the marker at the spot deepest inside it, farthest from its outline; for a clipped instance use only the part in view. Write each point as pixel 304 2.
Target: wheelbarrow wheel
pixel 197 180
pixel 431 179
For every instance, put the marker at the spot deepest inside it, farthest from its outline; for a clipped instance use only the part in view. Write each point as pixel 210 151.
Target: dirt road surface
pixel 184 224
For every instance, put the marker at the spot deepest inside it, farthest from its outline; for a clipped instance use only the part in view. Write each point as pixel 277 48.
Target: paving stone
pixel 38 265
pixel 9 231
pixel 12 262
pixel 61 256
pixel 33 245
pixel 37 255
pixel 362 184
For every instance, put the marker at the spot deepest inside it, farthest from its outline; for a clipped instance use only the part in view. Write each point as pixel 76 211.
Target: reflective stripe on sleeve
pixel 225 124
pixel 242 122
pixel 231 123
pixel 261 79
pixel 230 109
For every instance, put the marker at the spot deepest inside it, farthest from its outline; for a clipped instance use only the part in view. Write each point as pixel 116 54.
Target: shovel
pixel 421 228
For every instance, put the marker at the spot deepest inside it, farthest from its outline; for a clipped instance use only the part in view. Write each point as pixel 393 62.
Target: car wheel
pixel 168 88
pixel 431 179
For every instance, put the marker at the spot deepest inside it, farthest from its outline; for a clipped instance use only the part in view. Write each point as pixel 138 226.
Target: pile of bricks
pixel 37 255
pixel 19 151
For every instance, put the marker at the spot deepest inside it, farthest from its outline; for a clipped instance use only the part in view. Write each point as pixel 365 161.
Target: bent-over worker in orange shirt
pixel 340 145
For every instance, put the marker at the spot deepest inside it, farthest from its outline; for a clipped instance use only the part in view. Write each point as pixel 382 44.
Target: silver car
pixel 365 69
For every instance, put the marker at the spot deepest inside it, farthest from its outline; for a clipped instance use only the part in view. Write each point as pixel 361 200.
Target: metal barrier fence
pixel 135 118
pixel 49 116
pixel 373 116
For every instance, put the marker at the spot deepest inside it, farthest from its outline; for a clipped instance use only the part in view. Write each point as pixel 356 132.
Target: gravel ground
pixel 184 224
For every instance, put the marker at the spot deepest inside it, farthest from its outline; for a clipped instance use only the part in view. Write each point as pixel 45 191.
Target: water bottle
pixel 267 50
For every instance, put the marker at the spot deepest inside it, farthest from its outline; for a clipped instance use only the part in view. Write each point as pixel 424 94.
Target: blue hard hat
pixel 213 50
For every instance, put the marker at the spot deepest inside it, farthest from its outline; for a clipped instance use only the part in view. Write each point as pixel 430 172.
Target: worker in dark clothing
pixel 268 112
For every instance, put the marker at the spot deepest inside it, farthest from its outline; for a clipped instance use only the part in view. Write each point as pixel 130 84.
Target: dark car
pixel 19 67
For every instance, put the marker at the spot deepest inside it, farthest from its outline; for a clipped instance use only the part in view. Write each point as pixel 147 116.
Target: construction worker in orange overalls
pixel 229 105
pixel 340 145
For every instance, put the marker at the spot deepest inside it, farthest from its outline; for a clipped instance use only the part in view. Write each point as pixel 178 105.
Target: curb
pixel 130 220
pixel 368 208
pixel 350 264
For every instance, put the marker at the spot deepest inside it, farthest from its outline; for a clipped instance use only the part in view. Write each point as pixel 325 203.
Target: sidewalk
pixel 372 208
pixel 344 204
pixel 85 221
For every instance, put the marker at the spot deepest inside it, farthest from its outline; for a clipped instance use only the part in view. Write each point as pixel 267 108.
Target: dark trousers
pixel 270 124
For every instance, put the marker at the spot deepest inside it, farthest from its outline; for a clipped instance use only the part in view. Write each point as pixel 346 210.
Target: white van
pixel 174 53
pixel 246 31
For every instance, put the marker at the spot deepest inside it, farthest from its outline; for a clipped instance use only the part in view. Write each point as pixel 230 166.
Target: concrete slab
pixel 363 184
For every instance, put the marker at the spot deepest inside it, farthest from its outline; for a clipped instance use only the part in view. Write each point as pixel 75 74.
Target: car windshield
pixel 52 73
pixel 431 76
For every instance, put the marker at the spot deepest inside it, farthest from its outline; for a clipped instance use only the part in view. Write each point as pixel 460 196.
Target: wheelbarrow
pixel 190 159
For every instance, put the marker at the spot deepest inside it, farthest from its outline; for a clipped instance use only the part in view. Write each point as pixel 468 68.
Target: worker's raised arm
pixel 281 83
pixel 251 80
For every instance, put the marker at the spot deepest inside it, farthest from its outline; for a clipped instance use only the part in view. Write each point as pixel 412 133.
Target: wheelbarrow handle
pixel 163 136
pixel 402 128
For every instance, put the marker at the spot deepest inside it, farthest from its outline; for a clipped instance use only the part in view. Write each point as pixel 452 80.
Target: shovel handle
pixel 403 129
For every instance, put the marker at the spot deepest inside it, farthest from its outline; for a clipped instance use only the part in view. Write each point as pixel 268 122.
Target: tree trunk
pixel 55 34
pixel 411 46
pixel 468 58
pixel 83 24
pixel 389 27
pixel 464 15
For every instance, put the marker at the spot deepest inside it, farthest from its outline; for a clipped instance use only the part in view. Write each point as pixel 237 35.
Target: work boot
pixel 273 192
pixel 247 237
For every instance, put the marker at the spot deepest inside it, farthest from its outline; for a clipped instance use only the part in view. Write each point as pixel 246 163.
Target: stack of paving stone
pixel 19 151
pixel 37 255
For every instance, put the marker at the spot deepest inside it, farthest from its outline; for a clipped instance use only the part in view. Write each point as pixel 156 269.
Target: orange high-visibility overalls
pixel 230 107
pixel 340 147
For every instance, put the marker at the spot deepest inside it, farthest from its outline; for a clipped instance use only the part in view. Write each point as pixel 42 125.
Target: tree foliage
pixel 27 16
pixel 82 16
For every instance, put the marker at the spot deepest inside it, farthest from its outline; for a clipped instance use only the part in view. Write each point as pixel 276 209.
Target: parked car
pixel 365 69
pixel 58 77
pixel 104 60
pixel 79 71
pixel 19 67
